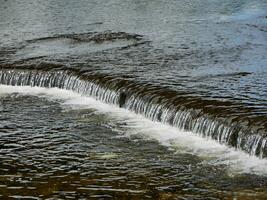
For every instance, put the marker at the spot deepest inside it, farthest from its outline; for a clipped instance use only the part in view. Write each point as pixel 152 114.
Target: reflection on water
pixel 65 149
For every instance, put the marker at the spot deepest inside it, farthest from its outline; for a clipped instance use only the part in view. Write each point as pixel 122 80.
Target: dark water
pixel 193 65
pixel 50 150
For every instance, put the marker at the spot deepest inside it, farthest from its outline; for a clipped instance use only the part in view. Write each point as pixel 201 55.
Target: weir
pixel 153 103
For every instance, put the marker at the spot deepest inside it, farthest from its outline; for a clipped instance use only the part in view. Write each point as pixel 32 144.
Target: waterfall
pixel 142 101
pixel 60 80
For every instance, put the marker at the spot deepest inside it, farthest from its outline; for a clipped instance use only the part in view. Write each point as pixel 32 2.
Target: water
pixel 60 144
pixel 162 107
pixel 180 79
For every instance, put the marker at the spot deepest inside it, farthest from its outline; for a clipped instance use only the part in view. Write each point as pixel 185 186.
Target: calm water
pixel 196 69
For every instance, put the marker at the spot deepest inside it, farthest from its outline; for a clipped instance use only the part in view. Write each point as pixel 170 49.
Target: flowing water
pixel 133 99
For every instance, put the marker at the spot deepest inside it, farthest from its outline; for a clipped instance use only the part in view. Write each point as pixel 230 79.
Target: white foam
pixel 183 142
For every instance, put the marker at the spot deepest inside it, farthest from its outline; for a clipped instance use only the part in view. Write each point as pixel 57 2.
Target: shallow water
pixel 213 51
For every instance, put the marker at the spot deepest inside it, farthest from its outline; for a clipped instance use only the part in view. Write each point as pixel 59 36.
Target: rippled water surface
pixel 56 147
pixel 214 49
pixel 189 76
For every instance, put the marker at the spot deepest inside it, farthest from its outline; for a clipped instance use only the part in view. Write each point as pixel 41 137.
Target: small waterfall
pixel 143 101
pixel 205 126
pixel 58 79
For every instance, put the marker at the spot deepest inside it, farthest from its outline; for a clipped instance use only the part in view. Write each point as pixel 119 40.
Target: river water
pixel 133 99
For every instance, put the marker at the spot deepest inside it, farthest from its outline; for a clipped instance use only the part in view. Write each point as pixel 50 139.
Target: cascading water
pixel 142 101
pixel 133 99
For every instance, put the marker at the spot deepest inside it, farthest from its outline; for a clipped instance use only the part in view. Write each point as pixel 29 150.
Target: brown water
pixel 49 150
pixel 199 67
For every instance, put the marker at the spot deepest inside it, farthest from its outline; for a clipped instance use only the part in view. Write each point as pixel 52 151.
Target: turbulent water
pixel 63 145
pixel 133 99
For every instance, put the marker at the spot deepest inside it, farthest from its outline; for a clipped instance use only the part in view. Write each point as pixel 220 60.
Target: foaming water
pixel 153 103
pixel 208 150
